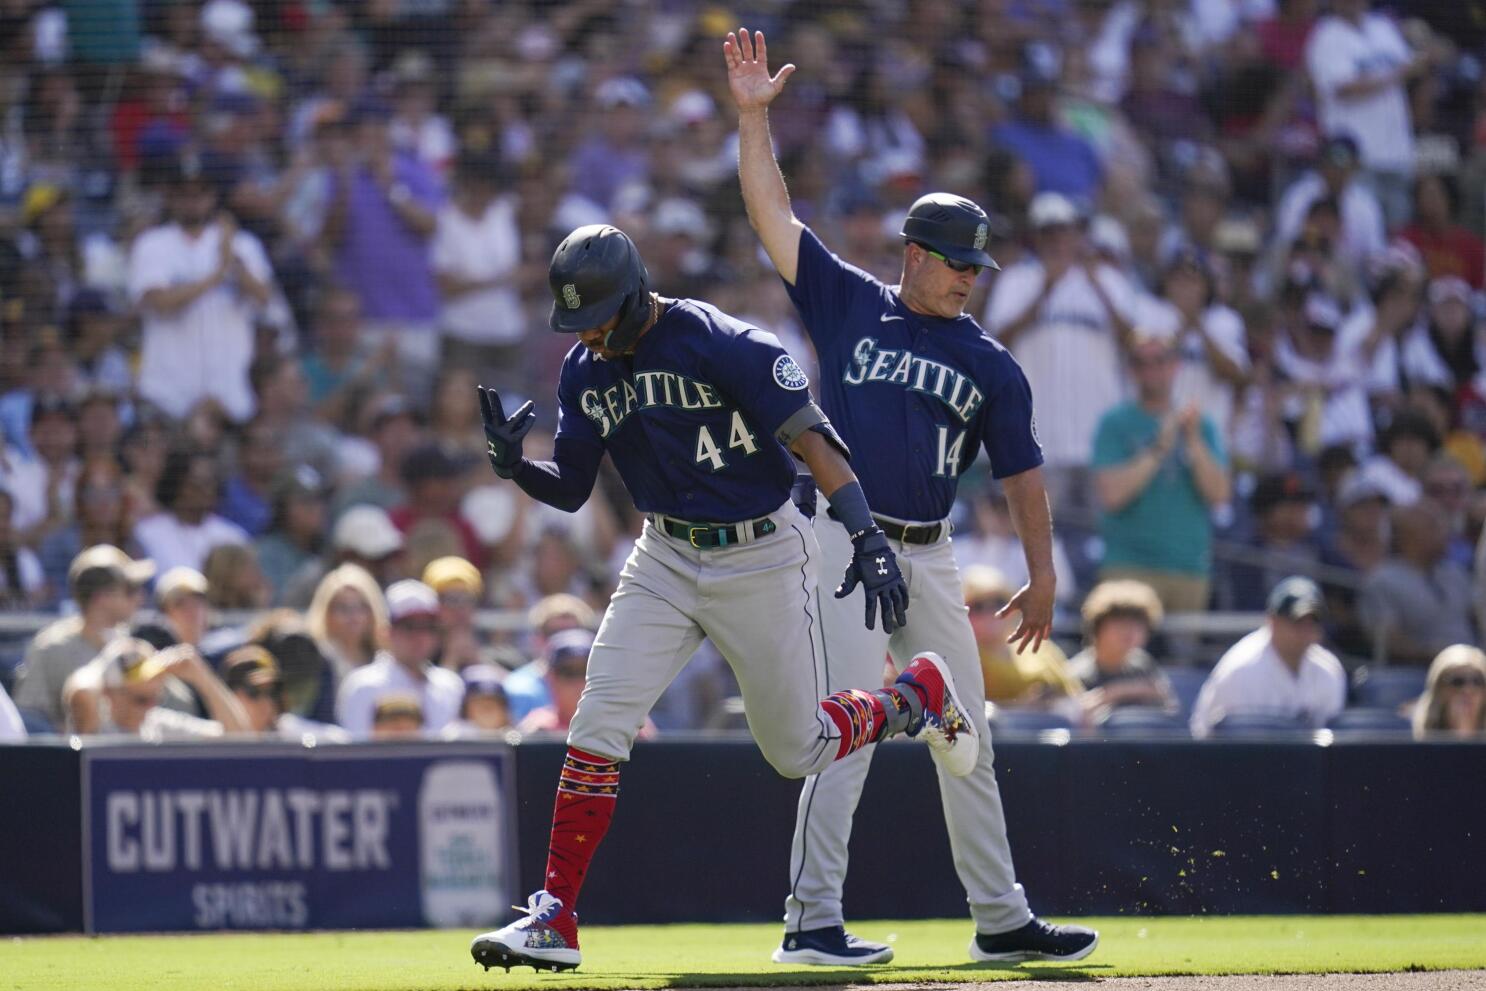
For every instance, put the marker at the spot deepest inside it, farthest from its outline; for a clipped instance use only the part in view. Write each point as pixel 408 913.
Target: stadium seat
pixel 1186 683
pixel 1386 687
pixel 1143 721
pixel 1362 721
pixel 1027 722
pixel 1240 726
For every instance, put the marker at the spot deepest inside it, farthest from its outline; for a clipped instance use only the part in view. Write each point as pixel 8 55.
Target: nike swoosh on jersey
pixel 890 316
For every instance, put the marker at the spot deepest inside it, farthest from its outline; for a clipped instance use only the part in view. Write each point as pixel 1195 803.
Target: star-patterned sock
pixel 586 792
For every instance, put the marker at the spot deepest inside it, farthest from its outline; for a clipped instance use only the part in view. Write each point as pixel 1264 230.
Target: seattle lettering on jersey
pixel 610 408
pixel 869 363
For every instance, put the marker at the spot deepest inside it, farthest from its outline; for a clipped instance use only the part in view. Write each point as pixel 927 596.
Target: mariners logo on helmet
pixel 788 374
pixel 981 233
pixel 570 296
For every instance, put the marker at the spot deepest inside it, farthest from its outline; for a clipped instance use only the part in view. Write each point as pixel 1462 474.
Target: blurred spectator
pixel 485 709
pixel 1363 233
pixel 180 595
pixel 47 483
pixel 614 153
pixel 1449 249
pixel 1034 678
pixel 526 687
pixel 98 425
pixel 248 493
pixel 309 682
pixel 254 678
pixel 22 582
pixel 417 126
pixel 1279 670
pixel 1115 670
pixel 454 418
pixel 1157 472
pixel 133 679
pixel 476 257
pixel 994 543
pixel 405 668
pixel 1439 351
pixel 364 536
pixel 199 282
pixel 348 619
pixel 342 368
pixel 566 661
pixel 1454 699
pixel 1359 546
pixel 393 428
pixel 459 587
pixel 1407 447
pixel 296 529
pixel 1448 484
pixel 397 717
pixel 105 583
pixel 381 219
pixel 1328 364
pixel 433 478
pixel 1359 64
pixel 233 578
pixel 186 529
pixel 1284 511
pixel 94 327
pixel 283 404
pixel 1067 321
pixel 1418 602
pixel 98 517
pixel 1061 160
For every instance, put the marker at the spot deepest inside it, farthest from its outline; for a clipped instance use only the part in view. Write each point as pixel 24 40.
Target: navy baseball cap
pixel 1296 598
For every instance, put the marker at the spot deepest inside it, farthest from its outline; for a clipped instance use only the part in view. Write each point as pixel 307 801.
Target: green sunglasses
pixel 954 265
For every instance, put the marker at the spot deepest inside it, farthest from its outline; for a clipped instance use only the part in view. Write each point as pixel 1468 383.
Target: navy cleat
pixel 1037 940
pixel 944 726
pixel 832 946
pixel 528 942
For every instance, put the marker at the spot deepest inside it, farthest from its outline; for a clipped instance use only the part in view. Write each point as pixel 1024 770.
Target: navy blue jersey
pixel 914 397
pixel 691 417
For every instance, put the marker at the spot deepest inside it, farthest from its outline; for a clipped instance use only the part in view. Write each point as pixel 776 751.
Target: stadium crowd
pixel 255 257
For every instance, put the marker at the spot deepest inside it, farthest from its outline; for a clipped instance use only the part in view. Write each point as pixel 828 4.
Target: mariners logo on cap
pixel 982 231
pixel 570 296
pixel 788 374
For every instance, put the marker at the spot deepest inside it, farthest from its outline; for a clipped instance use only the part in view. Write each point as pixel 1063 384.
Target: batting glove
pixel 875 568
pixel 504 435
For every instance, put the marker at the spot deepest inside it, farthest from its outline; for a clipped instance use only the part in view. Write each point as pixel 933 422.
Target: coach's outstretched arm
pixel 764 192
pixel 563 483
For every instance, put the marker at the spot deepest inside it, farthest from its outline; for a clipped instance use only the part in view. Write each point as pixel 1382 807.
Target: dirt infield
pixel 1439 980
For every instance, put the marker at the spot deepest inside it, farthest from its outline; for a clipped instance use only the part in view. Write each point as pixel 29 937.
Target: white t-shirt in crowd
pixel 1196 382
pixel 1346 417
pixel 440 692
pixel 1250 679
pixel 1340 52
pixel 171 543
pixel 25 479
pixel 1363 230
pixel 1071 354
pixel 12 730
pixel 480 248
pixel 204 349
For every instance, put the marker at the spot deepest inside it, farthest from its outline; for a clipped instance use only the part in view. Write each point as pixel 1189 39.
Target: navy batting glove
pixel 874 566
pixel 504 435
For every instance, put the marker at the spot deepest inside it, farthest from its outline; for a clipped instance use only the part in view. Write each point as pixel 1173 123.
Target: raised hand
pixel 748 70
pixel 504 435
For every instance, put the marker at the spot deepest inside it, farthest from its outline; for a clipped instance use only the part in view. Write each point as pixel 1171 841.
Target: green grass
pixel 693 956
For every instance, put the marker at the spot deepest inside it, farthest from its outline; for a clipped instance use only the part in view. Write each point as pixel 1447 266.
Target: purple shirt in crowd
pixel 599 169
pixel 383 260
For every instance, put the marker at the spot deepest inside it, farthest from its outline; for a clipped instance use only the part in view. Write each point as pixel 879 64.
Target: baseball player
pixel 915 387
pixel 700 415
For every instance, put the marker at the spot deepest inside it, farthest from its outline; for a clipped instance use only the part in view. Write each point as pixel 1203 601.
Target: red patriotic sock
pixel 861 716
pixel 586 792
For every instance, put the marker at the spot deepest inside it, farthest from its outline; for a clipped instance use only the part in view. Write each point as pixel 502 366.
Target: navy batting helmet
pixel 595 274
pixel 951 225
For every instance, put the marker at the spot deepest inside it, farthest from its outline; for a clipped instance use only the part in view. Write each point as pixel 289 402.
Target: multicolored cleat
pixel 528 942
pixel 945 727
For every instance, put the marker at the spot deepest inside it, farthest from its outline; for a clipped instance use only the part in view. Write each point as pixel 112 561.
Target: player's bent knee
pixel 791 763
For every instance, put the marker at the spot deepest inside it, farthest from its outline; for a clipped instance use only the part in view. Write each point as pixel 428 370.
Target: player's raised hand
pixel 1035 602
pixel 748 70
pixel 874 566
pixel 504 435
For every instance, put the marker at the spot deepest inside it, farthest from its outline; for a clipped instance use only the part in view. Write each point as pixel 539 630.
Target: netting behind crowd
pixel 255 257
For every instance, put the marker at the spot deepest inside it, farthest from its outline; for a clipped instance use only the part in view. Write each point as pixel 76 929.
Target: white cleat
pixel 950 734
pixel 528 942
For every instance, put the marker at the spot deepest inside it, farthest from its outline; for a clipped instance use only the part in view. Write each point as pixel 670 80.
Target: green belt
pixel 709 535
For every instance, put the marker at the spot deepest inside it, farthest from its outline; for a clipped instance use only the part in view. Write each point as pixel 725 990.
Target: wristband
pixel 849 504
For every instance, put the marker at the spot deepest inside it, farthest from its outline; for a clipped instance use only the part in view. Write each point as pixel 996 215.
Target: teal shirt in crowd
pixel 1167 526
